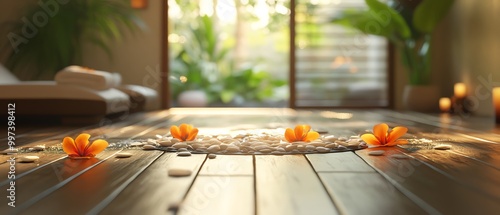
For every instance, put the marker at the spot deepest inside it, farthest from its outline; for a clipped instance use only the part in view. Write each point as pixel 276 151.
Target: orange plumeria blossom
pixel 184 132
pixel 301 133
pixel 82 148
pixel 383 137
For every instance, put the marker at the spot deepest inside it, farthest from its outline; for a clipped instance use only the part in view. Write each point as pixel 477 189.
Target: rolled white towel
pixel 89 78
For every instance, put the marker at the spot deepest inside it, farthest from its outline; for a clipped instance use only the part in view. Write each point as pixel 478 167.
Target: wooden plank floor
pixel 463 180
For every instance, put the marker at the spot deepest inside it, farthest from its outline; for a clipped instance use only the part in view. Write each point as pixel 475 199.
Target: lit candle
pixel 444 104
pixel 460 90
pixel 496 103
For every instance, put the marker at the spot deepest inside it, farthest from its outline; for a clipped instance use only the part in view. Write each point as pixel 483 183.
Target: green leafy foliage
pixel 205 64
pixel 59 42
pixel 407 29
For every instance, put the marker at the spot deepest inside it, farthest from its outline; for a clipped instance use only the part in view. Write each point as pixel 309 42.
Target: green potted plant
pixel 202 73
pixel 408 25
pixel 52 34
pixel 195 66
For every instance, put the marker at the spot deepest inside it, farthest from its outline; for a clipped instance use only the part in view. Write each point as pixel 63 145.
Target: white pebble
pixel 331 145
pixel 376 152
pixel 342 138
pixel 180 145
pixel 175 140
pixel 179 172
pixel 184 153
pixel 330 138
pixel 28 159
pixel 399 156
pixel 322 149
pixel 201 149
pixel 223 146
pixel 148 147
pixel 137 144
pixel 166 143
pixel 280 149
pixel 310 148
pixel 123 155
pixel 213 149
pixel 212 156
pixel 258 148
pixel 152 142
pixel 301 148
pixel 232 149
pixel 290 148
pixel 318 144
pixel 39 148
pixel 442 147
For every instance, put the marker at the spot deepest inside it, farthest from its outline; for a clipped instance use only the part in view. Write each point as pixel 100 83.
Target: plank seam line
pixel 192 183
pixel 228 175
pixel 333 171
pixel 30 171
pixel 337 206
pixel 254 184
pixel 472 158
pixel 50 190
pixel 106 201
pixel 420 202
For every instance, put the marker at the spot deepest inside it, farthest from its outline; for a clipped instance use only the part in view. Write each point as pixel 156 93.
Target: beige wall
pixel 138 57
pixel 475 47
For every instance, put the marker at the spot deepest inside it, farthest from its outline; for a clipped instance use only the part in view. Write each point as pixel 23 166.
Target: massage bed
pixel 71 102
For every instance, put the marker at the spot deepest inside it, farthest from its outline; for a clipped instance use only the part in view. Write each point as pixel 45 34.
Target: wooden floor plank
pixel 153 192
pixel 84 192
pixel 465 170
pixel 27 188
pixel 338 162
pixel 429 188
pixel 367 193
pixel 23 167
pixel 289 185
pixel 228 165
pixel 220 195
pixel 486 151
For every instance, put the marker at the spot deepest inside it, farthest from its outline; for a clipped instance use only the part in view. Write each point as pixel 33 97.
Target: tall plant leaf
pixel 429 12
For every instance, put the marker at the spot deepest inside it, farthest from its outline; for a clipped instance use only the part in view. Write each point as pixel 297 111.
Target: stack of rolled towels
pixel 88 78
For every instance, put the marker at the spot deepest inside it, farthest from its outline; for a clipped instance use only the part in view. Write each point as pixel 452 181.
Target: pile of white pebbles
pixel 251 143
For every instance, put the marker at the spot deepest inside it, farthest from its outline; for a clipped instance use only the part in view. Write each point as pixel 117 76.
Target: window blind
pixel 336 66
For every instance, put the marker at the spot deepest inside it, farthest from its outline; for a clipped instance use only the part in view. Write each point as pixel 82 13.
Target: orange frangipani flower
pixel 301 133
pixel 82 148
pixel 383 137
pixel 184 132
